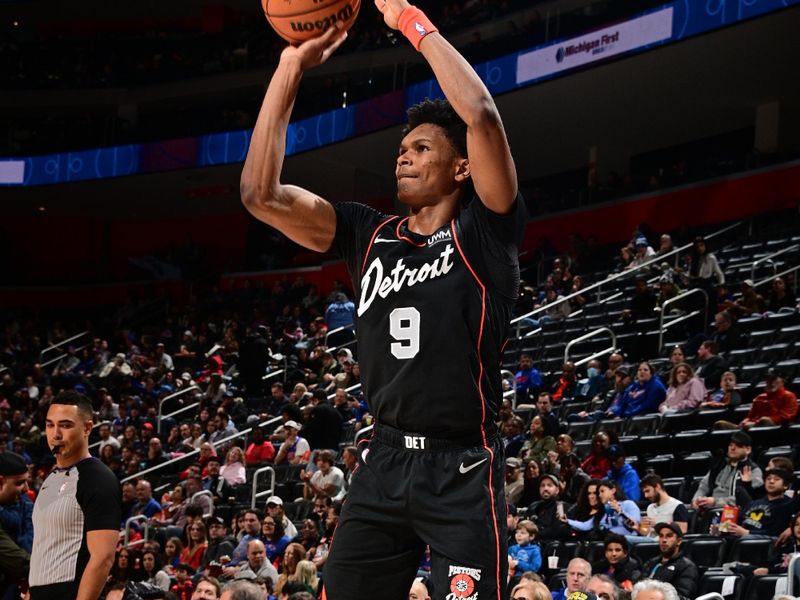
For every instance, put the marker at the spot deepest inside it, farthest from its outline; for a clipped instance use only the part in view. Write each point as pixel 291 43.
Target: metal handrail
pixel 128 523
pixel 588 336
pixel 664 306
pixel 47 363
pixel 225 440
pixel 361 433
pixel 512 393
pixel 96 444
pixel 203 493
pixel 781 274
pixel 271 375
pixel 337 330
pixel 181 410
pixel 170 397
pixel 255 495
pixel 769 258
pixel 61 343
pixel 624 274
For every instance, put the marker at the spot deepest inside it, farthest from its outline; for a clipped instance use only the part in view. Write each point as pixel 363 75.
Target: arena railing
pixel 255 495
pixel 216 444
pixel 97 444
pixel 204 493
pixel 145 535
pixel 52 361
pixel 54 347
pixel 162 416
pixel 590 335
pixel 617 276
pixel 662 327
pixel 768 259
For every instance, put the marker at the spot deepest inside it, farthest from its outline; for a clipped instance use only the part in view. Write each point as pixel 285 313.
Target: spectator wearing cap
pixel 219 543
pixel 722 484
pixel 14 560
pixel 514 481
pixel 667 290
pixel 767 516
pixel 546 512
pixel 641 397
pixel 642 252
pixel 274 507
pixel 183 586
pixel 294 450
pixel 750 302
pixel 710 365
pixel 671 566
pixel 774 406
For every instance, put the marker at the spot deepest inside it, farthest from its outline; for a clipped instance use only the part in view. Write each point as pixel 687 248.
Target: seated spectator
pixel 215 483
pixel 704 270
pixel 642 397
pixel 556 309
pixel 722 484
pixel 726 335
pixel 152 571
pixel 525 554
pixel 593 384
pixel 785 552
pixel 260 449
pixel 173 510
pixel 671 566
pixel 219 543
pixel 233 470
pixel 540 442
pixel 194 485
pixel 774 406
pixel 295 449
pixel 767 516
pixel 780 296
pixel 274 537
pixel 513 436
pixel 251 524
pixel 642 304
pixel 617 563
pixel 274 508
pixel 619 515
pixel 750 302
pixel 642 252
pixel 527 380
pixel 663 508
pixel 145 503
pixel 685 392
pixel 545 512
pixel 588 504
pixel 667 290
pixel 564 387
pixel 573 479
pixel 583 298
pixel 257 564
pixel 530 483
pixel 603 587
pixel 623 474
pixel 711 365
pixel 327 480
pixel 183 587
pixel 676 357
pixel 726 395
pixel 192 553
pixel 515 484
pixel 597 464
pixel 579 571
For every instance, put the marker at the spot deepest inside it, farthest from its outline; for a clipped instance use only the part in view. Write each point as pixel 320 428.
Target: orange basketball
pixel 300 20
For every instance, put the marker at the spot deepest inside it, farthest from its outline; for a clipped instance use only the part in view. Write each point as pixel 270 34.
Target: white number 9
pixel 404 327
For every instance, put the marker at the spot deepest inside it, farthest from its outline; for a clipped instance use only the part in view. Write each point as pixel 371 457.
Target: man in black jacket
pixel 324 426
pixel 219 545
pixel 545 511
pixel 672 567
pixel 618 564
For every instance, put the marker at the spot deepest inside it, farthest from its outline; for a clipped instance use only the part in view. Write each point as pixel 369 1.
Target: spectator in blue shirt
pixel 145 503
pixel 623 474
pixel 528 380
pixel 525 555
pixel 641 397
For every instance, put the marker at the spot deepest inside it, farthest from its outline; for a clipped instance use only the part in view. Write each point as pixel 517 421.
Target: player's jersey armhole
pixel 372 240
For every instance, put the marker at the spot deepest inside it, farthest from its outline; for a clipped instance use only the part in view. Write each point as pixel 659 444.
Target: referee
pixel 77 513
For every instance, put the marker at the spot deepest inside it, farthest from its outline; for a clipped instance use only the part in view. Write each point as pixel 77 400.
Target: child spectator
pixel 525 555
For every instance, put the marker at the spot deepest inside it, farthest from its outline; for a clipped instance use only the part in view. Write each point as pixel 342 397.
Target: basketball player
pixel 435 290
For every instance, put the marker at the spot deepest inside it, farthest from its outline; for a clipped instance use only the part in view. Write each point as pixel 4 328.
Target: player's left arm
pixel 491 165
pixel 101 544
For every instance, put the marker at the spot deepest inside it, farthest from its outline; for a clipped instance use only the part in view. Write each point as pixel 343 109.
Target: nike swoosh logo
pixel 379 240
pixel 464 470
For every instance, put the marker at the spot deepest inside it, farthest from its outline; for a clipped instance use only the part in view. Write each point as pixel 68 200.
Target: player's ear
pixel 462 169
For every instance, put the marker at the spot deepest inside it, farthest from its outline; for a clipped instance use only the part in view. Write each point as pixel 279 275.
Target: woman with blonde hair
pixel 306 573
pixel 530 590
pixel 233 470
pixel 292 556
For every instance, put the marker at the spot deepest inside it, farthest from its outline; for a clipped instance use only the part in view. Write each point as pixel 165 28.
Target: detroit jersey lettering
pixel 432 315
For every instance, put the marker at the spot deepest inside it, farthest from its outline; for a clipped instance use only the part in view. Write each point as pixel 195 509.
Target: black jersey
pixel 433 314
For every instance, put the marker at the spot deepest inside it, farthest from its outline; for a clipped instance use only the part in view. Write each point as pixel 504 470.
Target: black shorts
pixel 409 491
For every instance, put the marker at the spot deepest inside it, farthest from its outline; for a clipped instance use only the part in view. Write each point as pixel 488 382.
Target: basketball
pixel 300 20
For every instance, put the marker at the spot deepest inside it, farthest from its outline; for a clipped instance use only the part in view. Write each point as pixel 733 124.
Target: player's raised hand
pixel 391 10
pixel 317 50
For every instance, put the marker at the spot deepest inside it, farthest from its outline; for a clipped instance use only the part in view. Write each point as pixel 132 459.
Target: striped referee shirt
pixel 84 497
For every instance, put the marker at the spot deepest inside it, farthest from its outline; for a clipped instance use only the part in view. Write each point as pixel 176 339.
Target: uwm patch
pixel 462 583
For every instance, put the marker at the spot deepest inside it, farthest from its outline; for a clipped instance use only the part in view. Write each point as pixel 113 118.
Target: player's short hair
pixel 73 398
pixel 439 112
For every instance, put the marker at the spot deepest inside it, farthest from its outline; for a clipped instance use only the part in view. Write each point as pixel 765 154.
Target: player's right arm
pixel 302 216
